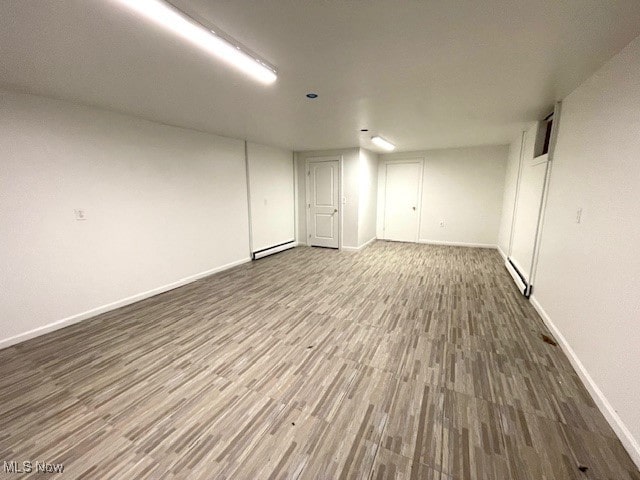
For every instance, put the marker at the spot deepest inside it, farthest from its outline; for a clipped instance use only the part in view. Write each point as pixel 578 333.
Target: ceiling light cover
pixel 382 143
pixel 174 20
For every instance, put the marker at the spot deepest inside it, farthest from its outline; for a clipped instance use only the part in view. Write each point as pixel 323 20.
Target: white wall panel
pixel 367 204
pixel 509 198
pixel 271 195
pixel 587 274
pixel 163 205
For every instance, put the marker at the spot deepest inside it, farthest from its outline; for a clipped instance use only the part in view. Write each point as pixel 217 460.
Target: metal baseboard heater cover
pixel 521 282
pixel 265 252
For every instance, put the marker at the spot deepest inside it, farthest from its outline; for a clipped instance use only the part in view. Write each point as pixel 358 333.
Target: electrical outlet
pixel 579 215
pixel 80 214
pixel 441 223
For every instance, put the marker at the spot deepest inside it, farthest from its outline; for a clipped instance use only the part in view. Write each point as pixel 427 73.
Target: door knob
pixel 335 210
pixel 414 208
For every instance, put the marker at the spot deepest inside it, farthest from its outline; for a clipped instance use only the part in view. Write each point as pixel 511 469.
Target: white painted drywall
pixel 508 200
pixel 271 195
pixel 527 206
pixel 163 204
pixel 587 275
pixel 350 192
pixel 463 187
pixel 367 204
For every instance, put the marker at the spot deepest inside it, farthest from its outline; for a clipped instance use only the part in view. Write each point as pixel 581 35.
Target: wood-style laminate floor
pixel 400 361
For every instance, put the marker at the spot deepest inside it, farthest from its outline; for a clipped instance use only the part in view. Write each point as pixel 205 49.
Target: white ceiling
pixel 421 73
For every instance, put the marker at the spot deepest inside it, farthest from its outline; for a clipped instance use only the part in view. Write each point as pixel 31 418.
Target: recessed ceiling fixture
pixel 382 143
pixel 312 95
pixel 197 34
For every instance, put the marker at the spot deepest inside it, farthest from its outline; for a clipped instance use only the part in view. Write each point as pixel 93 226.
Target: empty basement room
pixel 278 239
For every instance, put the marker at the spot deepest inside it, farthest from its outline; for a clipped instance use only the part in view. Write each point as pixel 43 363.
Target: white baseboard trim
pixel 628 441
pixel 65 322
pixel 367 243
pixel 502 254
pixel 458 244
pixel 357 249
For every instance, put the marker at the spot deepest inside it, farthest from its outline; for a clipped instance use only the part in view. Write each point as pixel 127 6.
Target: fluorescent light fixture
pixel 382 143
pixel 169 17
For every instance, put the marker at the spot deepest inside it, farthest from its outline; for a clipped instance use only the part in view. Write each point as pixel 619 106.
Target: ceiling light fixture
pixel 184 26
pixel 312 95
pixel 382 143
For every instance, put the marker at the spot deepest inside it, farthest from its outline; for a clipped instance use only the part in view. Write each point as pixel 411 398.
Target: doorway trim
pixel 325 158
pixel 386 162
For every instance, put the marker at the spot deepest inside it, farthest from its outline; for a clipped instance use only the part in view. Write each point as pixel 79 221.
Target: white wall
pixel 163 204
pixel 508 199
pixel 271 195
pixel 587 275
pixel 464 188
pixel 530 189
pixel 350 192
pixel 367 204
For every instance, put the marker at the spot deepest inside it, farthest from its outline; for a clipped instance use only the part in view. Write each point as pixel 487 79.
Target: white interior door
pixel 402 201
pixel 323 221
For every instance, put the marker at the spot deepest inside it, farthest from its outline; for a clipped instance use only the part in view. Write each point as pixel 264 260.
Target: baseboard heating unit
pixel 265 252
pixel 518 278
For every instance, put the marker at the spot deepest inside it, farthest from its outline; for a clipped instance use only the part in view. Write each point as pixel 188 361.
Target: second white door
pixel 402 200
pixel 323 203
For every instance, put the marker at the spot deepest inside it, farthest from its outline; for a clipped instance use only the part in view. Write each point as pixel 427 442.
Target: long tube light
pixel 382 143
pixel 169 17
